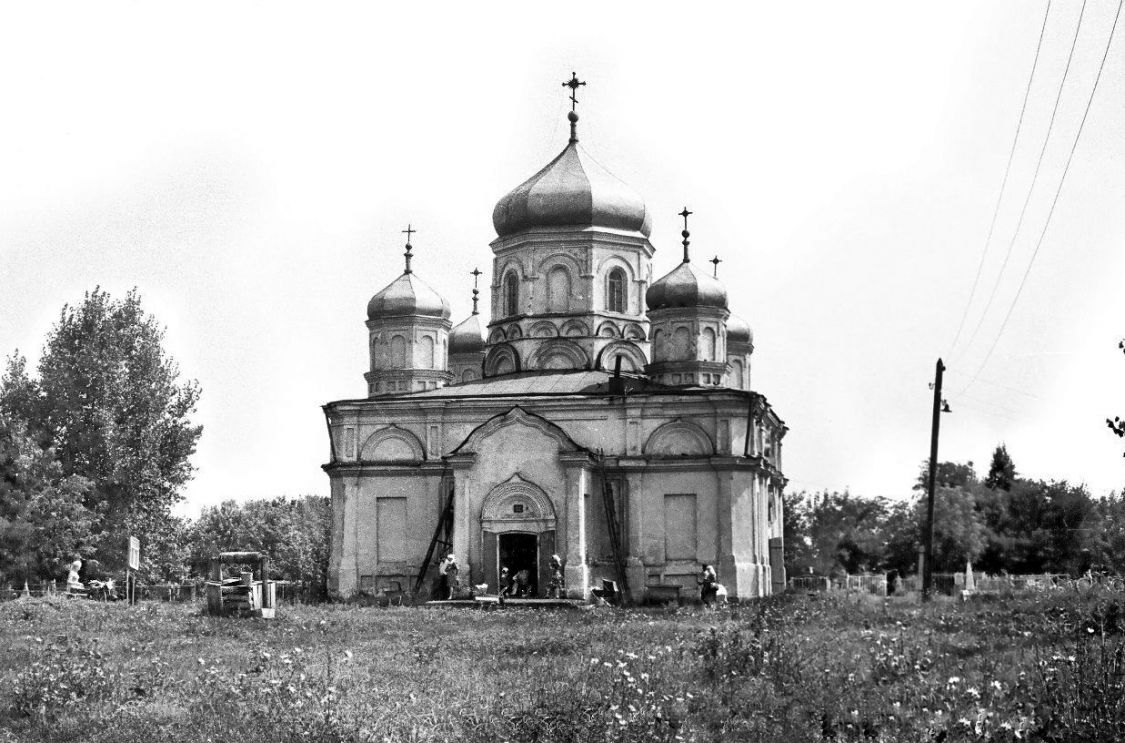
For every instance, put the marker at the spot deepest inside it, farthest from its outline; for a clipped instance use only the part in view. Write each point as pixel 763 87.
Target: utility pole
pixel 928 564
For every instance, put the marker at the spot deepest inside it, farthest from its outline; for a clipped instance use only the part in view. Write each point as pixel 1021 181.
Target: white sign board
pixel 134 553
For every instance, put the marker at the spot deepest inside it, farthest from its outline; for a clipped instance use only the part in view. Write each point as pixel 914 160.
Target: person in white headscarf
pixel 73 584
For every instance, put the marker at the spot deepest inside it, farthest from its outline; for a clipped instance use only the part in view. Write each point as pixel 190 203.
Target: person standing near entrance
pixel 708 585
pixel 555 585
pixel 504 586
pixel 447 577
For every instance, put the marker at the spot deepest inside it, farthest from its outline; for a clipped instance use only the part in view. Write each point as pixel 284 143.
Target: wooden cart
pixel 247 592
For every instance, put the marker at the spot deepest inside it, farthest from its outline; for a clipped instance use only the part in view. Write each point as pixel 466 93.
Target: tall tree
pixel 1002 471
pixel 117 414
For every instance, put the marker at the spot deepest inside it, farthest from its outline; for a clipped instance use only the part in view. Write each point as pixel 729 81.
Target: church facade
pixel 599 415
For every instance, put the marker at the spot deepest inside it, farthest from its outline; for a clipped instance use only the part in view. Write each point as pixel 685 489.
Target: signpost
pixel 133 566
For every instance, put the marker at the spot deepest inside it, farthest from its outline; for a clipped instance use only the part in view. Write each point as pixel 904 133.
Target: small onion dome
pixel 466 337
pixel 572 191
pixel 407 295
pixel 738 331
pixel 686 287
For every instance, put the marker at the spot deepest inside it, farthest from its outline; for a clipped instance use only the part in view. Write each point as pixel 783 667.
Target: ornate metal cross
pixel 408 231
pixel 685 214
pixel 573 84
pixel 476 272
pixel 716 260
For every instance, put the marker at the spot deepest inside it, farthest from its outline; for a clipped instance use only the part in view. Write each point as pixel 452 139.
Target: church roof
pixel 466 337
pixel 559 383
pixel 572 190
pixel 738 330
pixel 685 286
pixel 563 382
pixel 407 295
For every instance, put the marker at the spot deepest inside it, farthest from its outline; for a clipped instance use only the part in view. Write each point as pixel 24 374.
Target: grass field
pixel 794 668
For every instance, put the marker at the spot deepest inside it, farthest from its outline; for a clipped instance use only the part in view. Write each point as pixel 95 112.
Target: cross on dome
pixel 408 232
pixel 476 272
pixel 685 214
pixel 573 83
pixel 716 260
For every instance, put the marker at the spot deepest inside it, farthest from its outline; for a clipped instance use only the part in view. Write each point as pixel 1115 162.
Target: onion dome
pixel 686 287
pixel 466 337
pixel 738 331
pixel 407 295
pixel 572 191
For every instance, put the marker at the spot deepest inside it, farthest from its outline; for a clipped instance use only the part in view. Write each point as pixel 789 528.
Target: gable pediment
pixel 517 418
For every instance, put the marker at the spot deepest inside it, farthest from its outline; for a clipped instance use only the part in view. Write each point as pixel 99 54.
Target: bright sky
pixel 249 168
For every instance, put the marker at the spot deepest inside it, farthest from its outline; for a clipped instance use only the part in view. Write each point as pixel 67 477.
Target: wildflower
pixel 593 661
pixel 972 691
pixel 954 680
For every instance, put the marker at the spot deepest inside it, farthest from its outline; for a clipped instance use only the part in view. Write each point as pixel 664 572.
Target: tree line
pixel 1001 523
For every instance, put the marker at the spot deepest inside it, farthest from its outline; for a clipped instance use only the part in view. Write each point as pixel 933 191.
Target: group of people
pixel 519 584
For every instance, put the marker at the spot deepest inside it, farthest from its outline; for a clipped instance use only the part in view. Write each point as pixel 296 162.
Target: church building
pixel 598 415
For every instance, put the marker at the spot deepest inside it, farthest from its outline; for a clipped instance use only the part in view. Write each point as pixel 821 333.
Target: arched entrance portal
pixel 517 524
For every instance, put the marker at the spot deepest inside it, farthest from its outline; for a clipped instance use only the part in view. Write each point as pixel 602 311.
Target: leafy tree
pixel 1106 538
pixel 117 415
pixel 1002 471
pixel 959 534
pixel 902 529
pixel 844 532
pixel 799 554
pixel 43 522
pixel 949 474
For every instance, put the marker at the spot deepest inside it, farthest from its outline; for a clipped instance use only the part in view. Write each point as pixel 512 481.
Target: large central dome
pixel 571 191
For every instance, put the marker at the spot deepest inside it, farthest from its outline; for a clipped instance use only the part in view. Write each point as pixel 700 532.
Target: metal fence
pixel 287 591
pixel 873 583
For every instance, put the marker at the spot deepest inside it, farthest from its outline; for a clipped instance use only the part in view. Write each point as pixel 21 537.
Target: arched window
pixel 427 348
pixel 615 291
pixel 682 347
pixel 511 294
pixel 398 352
pixel 558 290
pixel 708 350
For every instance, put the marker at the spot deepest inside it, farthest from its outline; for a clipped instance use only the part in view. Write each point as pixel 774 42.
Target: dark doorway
pixel 520 552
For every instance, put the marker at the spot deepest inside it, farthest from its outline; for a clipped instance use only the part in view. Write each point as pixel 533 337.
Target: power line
pixel 1034 179
pixel 1004 182
pixel 1055 200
